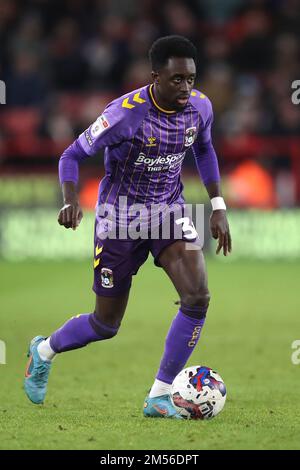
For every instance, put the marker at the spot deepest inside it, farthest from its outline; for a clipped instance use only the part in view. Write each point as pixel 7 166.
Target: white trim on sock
pixel 160 388
pixel 45 351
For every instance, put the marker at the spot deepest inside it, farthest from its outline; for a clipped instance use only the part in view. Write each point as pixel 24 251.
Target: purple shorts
pixel 117 260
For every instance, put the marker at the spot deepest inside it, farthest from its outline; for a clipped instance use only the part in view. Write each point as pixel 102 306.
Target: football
pixel 198 392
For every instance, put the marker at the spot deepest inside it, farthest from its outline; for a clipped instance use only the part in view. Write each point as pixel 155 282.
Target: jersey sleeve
pixel 68 163
pixel 203 150
pixel 110 128
pixel 116 124
pixel 207 117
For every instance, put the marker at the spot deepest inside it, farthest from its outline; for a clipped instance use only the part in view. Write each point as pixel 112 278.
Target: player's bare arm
pixel 218 222
pixel 70 214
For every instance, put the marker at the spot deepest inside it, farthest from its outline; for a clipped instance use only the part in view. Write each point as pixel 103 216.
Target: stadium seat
pixel 21 122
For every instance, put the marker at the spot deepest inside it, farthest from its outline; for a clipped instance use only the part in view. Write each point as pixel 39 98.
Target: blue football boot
pixel 160 407
pixel 36 374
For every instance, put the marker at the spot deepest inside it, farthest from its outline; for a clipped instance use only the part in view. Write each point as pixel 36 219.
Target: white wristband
pixel 218 203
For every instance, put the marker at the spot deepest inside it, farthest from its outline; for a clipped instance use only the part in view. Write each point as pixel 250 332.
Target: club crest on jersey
pixel 189 137
pixel 99 126
pixel 107 279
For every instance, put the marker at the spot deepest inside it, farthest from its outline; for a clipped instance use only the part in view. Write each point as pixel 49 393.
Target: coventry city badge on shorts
pixel 189 137
pixel 107 279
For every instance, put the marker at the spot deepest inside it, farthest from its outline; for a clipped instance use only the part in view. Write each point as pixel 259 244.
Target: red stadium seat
pixel 20 122
pixel 70 104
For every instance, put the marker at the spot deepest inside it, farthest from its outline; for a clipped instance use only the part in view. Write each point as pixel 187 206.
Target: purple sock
pixel 80 331
pixel 181 340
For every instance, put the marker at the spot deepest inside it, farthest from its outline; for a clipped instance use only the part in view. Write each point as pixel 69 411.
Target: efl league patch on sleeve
pixel 99 126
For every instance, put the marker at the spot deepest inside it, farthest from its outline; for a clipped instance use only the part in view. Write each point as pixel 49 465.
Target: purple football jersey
pixel 145 145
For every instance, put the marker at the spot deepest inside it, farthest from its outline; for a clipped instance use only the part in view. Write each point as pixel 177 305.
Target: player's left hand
pixel 220 230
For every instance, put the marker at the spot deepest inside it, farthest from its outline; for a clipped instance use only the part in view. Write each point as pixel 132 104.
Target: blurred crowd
pixel 57 56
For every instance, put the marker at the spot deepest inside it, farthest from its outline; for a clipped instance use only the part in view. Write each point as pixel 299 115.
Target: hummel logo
pixel 98 250
pixel 136 99
pixel 97 253
pixel 152 142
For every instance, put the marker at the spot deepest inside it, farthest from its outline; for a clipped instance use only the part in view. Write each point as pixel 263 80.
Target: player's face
pixel 174 82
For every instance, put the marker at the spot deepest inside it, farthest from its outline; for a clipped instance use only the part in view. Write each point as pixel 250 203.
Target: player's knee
pixel 106 329
pixel 110 333
pixel 195 304
pixel 196 298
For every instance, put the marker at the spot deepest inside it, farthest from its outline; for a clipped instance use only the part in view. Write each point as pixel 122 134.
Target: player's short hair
pixel 170 46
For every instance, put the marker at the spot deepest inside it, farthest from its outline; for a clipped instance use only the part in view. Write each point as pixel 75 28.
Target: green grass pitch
pixel 95 395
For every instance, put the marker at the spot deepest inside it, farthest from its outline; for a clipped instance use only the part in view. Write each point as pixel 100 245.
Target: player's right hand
pixel 70 215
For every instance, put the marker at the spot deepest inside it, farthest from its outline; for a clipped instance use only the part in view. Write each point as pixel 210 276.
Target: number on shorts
pixel 187 226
